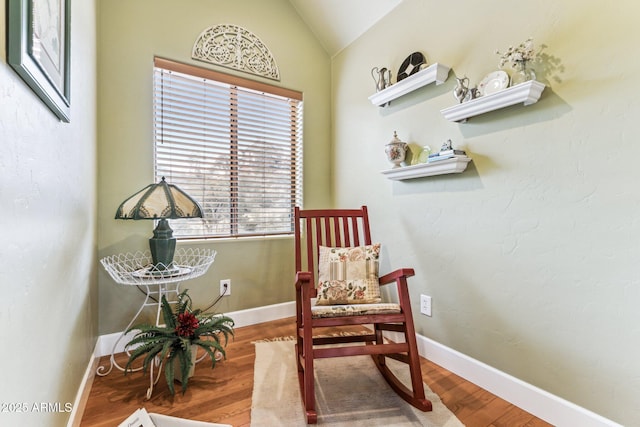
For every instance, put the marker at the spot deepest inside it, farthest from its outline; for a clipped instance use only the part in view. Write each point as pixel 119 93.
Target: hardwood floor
pixel 223 394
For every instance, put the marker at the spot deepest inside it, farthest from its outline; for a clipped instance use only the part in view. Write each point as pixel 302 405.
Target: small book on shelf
pixel 444 157
pixel 448 152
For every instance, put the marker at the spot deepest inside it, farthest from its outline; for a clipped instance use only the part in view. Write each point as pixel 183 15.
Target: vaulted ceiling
pixel 337 23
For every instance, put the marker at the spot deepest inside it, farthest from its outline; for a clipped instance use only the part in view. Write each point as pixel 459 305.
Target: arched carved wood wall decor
pixel 235 47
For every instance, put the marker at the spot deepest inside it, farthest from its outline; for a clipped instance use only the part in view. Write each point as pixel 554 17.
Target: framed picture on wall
pixel 38 49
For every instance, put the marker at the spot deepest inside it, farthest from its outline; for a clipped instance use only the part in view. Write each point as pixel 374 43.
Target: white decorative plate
pixel 494 82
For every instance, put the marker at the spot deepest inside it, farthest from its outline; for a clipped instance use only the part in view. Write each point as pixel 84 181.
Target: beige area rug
pixel 350 392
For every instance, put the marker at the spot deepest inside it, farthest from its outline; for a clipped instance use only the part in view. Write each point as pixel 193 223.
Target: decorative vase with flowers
pixel 518 57
pixel 174 344
pixel 396 150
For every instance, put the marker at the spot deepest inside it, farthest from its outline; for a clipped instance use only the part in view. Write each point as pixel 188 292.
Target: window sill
pixel 198 241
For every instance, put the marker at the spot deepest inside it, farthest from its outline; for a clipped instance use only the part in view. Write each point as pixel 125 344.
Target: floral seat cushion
pixel 318 311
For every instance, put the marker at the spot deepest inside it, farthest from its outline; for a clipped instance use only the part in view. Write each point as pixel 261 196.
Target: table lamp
pixel 160 201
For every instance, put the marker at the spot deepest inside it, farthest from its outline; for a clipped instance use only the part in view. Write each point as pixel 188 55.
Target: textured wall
pixel 48 252
pixel 130 34
pixel 531 255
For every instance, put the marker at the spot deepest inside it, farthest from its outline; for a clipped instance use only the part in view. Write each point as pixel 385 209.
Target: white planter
pixel 177 373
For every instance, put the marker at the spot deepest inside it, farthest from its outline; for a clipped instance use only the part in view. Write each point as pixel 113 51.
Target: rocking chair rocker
pixel 332 235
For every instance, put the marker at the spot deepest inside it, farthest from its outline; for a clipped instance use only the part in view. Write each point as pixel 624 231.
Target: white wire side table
pixel 137 269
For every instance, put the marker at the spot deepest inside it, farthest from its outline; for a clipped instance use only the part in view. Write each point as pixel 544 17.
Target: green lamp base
pixel 163 246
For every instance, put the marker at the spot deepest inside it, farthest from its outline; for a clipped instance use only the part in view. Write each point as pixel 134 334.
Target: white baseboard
pixel 544 405
pixel 83 393
pixel 267 313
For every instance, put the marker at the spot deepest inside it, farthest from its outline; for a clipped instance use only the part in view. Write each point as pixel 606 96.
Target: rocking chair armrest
pixel 305 288
pixel 302 278
pixel 394 275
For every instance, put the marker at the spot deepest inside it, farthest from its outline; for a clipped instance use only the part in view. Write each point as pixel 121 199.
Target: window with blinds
pixel 233 144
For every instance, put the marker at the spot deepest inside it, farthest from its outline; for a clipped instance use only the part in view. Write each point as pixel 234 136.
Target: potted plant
pixel 518 57
pixel 178 340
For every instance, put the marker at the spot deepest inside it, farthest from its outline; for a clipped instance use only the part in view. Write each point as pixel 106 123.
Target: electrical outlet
pixel 227 283
pixel 425 305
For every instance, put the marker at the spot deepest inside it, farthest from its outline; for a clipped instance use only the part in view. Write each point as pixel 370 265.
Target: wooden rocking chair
pixel 315 232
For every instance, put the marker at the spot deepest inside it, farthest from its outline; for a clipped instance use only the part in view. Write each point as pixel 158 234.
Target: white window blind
pixel 233 144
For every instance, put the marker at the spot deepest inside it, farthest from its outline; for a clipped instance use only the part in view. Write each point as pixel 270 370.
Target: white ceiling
pixel 337 23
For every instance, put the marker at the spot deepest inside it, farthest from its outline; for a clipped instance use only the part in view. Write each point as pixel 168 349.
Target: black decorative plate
pixel 411 65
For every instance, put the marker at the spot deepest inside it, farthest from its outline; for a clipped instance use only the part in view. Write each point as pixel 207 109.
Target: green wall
pixel 531 255
pixel 131 33
pixel 49 312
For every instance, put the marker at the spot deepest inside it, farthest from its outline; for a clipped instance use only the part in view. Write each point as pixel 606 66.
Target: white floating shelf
pixel 528 93
pixel 453 165
pixel 434 73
